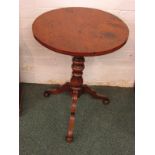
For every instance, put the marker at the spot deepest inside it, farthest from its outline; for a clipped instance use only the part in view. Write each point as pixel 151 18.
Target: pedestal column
pixel 76 85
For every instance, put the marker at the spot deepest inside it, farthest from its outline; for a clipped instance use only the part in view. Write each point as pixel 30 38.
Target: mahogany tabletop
pixel 79 31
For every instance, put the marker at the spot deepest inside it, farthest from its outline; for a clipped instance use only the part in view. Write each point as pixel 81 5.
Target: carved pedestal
pixel 76 88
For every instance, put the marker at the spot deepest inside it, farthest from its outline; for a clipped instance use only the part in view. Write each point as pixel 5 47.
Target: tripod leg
pixel 93 93
pixel 58 90
pixel 69 136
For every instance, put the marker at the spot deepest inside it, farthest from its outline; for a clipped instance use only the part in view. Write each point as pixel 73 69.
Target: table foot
pixel 96 95
pixel 69 137
pixel 61 89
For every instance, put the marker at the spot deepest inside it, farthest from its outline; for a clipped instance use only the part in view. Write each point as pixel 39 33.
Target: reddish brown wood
pixel 76 88
pixel 76 81
pixel 71 124
pixel 80 31
pixel 96 95
pixel 61 89
pixel 76 84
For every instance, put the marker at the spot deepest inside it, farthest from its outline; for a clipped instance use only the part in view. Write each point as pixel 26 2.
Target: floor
pixel 99 129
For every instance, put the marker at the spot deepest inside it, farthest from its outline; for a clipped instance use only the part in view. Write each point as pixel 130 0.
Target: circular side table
pixel 79 32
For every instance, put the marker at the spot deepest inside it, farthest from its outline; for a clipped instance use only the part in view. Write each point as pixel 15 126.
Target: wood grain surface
pixel 78 31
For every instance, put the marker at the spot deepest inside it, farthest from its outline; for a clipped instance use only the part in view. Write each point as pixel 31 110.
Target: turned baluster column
pixel 76 85
pixel 76 81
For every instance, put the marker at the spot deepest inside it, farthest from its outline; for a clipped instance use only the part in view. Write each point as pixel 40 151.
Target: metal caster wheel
pixel 46 94
pixel 106 101
pixel 69 139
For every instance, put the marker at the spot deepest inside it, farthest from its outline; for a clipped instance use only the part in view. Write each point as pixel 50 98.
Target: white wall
pixel 40 65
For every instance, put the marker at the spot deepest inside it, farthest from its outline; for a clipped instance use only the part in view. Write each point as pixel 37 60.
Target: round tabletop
pixel 78 31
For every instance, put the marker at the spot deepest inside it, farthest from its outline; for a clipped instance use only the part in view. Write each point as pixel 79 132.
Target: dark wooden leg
pixel 76 84
pixel 93 93
pixel 61 89
pixel 20 100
